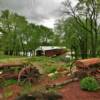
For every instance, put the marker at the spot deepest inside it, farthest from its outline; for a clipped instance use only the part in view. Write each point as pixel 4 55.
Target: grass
pixel 7 58
pixel 6 83
pixel 26 88
pixel 44 63
pixel 41 59
pixel 7 93
pixel 10 82
pixel 50 69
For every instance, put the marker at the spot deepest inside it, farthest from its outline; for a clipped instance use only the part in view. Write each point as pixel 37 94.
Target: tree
pixel 89 10
pixel 70 35
pixel 13 28
pixel 46 35
pixel 33 37
pixel 20 36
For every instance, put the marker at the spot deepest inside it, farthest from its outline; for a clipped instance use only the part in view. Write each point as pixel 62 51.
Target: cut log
pixel 63 83
pixel 11 65
pixel 86 63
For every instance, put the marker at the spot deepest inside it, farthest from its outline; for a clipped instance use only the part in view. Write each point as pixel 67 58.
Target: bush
pixel 89 83
pixel 50 69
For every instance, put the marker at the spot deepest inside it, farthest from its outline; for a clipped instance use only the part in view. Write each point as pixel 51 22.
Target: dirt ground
pixel 73 92
pixel 70 91
pixel 13 89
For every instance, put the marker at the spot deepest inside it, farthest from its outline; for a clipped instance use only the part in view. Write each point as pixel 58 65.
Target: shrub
pixel 50 69
pixel 89 83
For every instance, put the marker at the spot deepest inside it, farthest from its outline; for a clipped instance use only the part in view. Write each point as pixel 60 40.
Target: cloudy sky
pixel 39 11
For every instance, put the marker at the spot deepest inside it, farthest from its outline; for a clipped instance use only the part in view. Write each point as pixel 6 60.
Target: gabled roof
pixel 49 48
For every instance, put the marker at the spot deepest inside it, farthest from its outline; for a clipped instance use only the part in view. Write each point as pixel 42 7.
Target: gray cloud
pixel 34 10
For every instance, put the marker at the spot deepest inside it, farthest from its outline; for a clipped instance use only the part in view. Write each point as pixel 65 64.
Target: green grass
pixel 45 62
pixel 48 64
pixel 41 59
pixel 50 69
pixel 7 93
pixel 10 82
pixel 26 88
pixel 7 58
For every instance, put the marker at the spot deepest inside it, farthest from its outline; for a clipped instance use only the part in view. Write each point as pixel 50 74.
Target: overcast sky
pixel 39 11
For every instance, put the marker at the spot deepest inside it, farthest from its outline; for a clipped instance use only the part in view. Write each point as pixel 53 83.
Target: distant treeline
pixel 18 35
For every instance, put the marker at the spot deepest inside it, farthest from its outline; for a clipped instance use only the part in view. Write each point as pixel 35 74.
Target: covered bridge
pixel 49 51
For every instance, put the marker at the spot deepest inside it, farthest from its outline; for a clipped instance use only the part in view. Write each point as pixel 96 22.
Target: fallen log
pixel 88 63
pixel 63 83
pixel 11 65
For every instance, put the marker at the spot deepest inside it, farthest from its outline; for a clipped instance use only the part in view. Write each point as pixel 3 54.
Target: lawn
pixel 7 58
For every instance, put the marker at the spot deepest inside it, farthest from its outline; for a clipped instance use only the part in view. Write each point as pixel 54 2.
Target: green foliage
pixel 50 69
pixel 26 88
pixel 10 82
pixel 89 83
pixel 7 93
pixel 48 64
pixel 54 76
pixel 5 83
pixel 61 58
pixel 81 29
pixel 52 90
pixel 19 35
